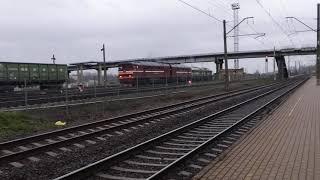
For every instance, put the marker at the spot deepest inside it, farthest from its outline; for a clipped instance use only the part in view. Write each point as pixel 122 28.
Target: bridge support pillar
pixel 105 77
pixel 282 68
pixel 99 75
pixel 80 74
pixel 219 67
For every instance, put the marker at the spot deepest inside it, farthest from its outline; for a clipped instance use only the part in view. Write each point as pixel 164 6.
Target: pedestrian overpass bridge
pixel 206 57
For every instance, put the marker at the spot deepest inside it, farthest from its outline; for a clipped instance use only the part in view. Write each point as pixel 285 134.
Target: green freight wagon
pixel 46 75
pixel 201 74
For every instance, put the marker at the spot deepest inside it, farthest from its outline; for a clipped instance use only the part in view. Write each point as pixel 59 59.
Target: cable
pixel 275 22
pixel 222 5
pixel 257 33
pixel 201 11
pixel 209 15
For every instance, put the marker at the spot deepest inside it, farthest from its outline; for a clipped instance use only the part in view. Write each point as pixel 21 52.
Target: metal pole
pixel 318 46
pixel 137 83
pixel 177 80
pixel 166 83
pixel 166 80
pixel 67 106
pixel 25 93
pixel 152 84
pixel 95 96
pixel 104 66
pixel 225 56
pixel 274 64
pixel 95 87
pixel 289 69
pixel 103 105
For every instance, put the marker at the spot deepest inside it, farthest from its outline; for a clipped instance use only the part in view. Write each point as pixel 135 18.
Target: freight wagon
pixel 201 74
pixel 45 75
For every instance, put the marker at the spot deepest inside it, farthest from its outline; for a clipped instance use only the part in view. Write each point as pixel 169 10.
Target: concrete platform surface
pixel 286 145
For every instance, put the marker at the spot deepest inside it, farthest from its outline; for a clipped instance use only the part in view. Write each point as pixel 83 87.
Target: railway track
pixel 15 150
pixel 11 100
pixel 161 157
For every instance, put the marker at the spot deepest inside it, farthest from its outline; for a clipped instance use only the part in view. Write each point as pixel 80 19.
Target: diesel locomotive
pixel 133 73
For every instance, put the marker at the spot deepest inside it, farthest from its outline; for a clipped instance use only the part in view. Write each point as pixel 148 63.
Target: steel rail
pixel 126 116
pixel 18 101
pixel 97 166
pixel 220 135
pixel 166 111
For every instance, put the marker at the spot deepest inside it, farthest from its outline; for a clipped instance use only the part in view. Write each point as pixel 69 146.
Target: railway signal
pixel 53 59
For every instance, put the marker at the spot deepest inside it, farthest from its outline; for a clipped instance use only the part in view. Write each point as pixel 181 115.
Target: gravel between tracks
pixel 49 168
pixel 89 113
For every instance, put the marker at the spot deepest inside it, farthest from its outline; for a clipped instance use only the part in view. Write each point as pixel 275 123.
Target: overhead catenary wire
pixel 221 5
pixel 208 14
pixel 199 10
pixel 275 22
pixel 258 39
pixel 284 10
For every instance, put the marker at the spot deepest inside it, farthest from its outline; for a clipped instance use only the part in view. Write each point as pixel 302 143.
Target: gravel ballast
pixel 48 167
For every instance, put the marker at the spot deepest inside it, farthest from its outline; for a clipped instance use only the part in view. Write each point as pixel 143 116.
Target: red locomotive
pixel 132 73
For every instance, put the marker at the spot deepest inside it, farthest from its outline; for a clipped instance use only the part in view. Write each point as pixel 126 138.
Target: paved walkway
pixel 284 146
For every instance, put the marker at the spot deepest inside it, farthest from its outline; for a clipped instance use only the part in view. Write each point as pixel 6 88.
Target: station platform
pixel 286 145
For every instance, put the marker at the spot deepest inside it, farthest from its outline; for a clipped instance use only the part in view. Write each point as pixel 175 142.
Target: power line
pixel 275 22
pixel 199 10
pixel 209 15
pixel 257 33
pixel 222 5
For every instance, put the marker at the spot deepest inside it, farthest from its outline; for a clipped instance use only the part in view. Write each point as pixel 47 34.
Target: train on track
pixel 133 73
pixel 21 74
pixel 53 76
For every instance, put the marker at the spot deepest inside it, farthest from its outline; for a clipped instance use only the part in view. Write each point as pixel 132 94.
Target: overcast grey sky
pixel 31 30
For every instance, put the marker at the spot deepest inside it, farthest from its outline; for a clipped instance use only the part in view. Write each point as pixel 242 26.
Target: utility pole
pixel 289 69
pixel 274 64
pixel 225 33
pixel 104 66
pixel 25 94
pixel 226 70
pixel 318 46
